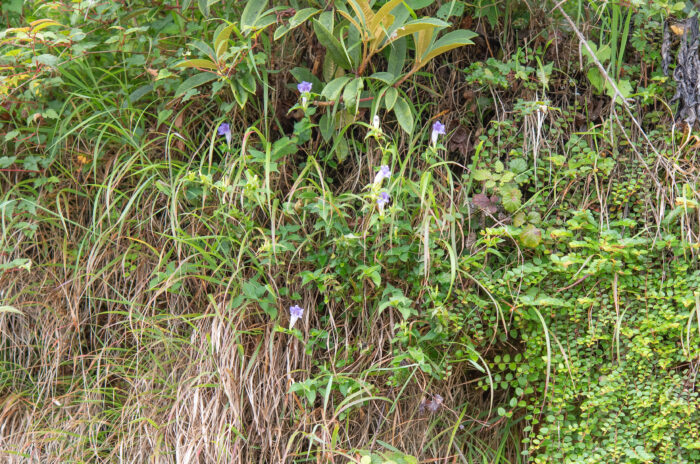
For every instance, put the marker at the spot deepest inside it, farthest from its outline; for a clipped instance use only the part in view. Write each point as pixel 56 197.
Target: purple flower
pixel 383 199
pixel 384 173
pixel 296 313
pixel 225 129
pixel 438 129
pixel 304 87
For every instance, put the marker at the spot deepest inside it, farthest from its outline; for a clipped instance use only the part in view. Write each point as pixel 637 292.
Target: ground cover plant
pixel 349 231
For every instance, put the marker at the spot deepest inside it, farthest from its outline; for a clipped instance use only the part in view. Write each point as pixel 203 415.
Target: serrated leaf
pixel 402 110
pixel 531 236
pixel 483 202
pixel 511 198
pixel 481 175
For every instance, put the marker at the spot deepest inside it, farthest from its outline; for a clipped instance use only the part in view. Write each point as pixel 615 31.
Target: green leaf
pixel 351 94
pixel 332 90
pixel 195 81
pixel 385 77
pixel 390 97
pixel 448 42
pixel 481 175
pixel 198 63
pixel 325 124
pixel 221 40
pixel 252 13
pixel 304 74
pixel 511 197
pixel 453 8
pixel 397 57
pixel 402 110
pixel 531 236
pixel 295 21
pixel 333 46
pixel 204 8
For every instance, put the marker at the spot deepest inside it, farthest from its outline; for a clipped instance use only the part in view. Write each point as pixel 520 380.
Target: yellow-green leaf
pixel 198 63
pixel 448 42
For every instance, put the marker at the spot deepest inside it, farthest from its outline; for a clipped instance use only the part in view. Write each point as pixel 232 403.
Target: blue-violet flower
pixel 296 312
pixel 438 129
pixel 383 173
pixel 225 129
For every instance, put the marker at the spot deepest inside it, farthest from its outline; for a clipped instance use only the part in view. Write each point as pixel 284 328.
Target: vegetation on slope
pixel 349 231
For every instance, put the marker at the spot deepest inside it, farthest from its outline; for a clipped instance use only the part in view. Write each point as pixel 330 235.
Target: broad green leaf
pixel 137 94
pixel 332 90
pixel 402 110
pixel 198 63
pixel 325 124
pixel 299 18
pixel 221 39
pixel 333 46
pixel 247 81
pixel 412 27
pixel 385 77
pixel 511 198
pixel 595 79
pixel 204 8
pixel 531 236
pixel 252 13
pixel 397 56
pixel 481 175
pixel 204 48
pixel 453 8
pixel 390 98
pixel 351 94
pixel 195 81
pixel 448 42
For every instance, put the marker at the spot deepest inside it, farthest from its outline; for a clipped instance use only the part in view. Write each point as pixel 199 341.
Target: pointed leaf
pixel 252 13
pixel 195 81
pixel 351 94
pixel 221 39
pixel 390 98
pixel 333 46
pixel 449 41
pixel 402 110
pixel 198 63
pixel 299 18
pixel 332 90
